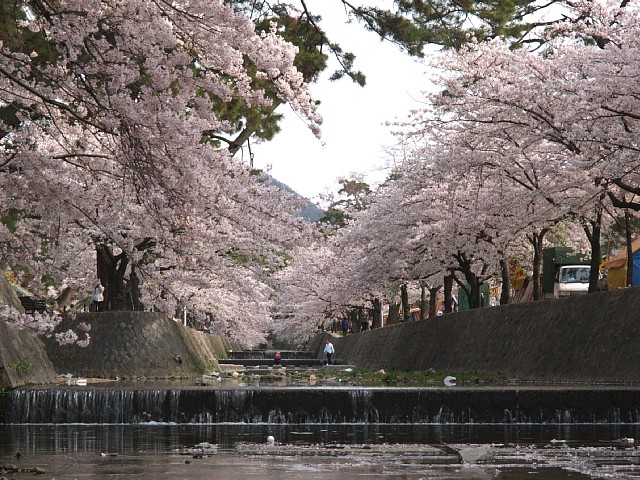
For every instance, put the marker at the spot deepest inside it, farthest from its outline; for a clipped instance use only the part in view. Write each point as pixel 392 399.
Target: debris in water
pixel 482 453
pixel 77 381
pixel 199 450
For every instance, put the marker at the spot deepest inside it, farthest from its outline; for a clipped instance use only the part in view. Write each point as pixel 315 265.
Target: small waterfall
pixel 231 407
pixel 94 406
pixel 322 405
pixel 362 406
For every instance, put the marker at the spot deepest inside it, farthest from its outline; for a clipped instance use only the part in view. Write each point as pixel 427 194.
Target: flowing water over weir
pixel 330 433
pixel 320 405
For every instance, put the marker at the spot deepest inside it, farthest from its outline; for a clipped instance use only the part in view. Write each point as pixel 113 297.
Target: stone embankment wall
pixel 137 344
pixel 590 338
pixel 123 344
pixel 23 361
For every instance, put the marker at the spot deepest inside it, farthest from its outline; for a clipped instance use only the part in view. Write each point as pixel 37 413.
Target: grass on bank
pixel 428 378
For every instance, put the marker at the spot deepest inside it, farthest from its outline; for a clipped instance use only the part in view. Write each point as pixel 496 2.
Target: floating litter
pixel 449 381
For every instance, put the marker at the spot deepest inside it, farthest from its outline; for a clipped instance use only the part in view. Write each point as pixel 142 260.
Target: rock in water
pixel 482 453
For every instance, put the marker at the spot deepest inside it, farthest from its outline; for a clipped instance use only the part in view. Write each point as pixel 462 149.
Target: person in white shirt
pixel 98 297
pixel 328 349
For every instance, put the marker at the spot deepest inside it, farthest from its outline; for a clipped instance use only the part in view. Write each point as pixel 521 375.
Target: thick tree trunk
pixel 505 294
pixel 448 295
pixel 134 295
pixel 424 303
pixel 627 231
pixel 536 242
pixel 118 293
pixel 394 311
pixel 596 249
pixel 433 301
pixel 354 320
pixel 111 270
pixel 377 313
pixel 596 258
pixel 472 288
pixel 406 308
pixel 475 299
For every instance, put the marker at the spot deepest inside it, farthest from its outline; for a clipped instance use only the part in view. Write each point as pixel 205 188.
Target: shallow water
pixel 231 467
pixel 152 451
pixel 154 437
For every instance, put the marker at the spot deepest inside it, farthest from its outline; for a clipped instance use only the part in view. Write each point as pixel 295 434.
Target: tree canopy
pixel 119 122
pixel 517 143
pixel 111 118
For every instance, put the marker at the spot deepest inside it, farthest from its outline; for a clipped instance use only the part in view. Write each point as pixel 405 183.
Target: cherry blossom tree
pixel 422 227
pixel 307 294
pixel 112 121
pixel 517 145
pixel 559 126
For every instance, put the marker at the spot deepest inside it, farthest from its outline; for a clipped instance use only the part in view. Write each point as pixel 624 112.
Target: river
pixel 325 452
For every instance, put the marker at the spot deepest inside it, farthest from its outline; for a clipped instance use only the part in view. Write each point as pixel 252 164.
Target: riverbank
pixel 585 340
pixel 137 345
pixel 588 339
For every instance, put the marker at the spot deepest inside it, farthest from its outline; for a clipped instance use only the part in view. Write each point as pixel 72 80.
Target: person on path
pixel 345 327
pixel 328 349
pixel 98 297
pixel 364 323
pixel 277 359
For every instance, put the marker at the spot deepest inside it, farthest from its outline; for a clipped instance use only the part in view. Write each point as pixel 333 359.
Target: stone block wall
pixel 137 344
pixel 123 344
pixel 588 338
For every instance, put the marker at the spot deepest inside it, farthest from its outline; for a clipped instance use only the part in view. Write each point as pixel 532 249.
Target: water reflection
pixel 60 439
pixel 69 452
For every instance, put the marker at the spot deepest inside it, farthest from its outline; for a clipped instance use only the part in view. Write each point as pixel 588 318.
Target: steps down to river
pixel 288 358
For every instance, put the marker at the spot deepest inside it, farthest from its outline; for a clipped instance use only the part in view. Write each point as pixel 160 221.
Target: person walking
pixel 345 327
pixel 328 349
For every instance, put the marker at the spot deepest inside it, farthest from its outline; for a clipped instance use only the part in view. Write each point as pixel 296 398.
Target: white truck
pixel 564 272
pixel 571 280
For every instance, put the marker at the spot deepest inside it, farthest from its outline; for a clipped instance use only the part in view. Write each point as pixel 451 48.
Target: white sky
pixel 353 132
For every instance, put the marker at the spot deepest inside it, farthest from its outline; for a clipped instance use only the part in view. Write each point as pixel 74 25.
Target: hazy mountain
pixel 310 212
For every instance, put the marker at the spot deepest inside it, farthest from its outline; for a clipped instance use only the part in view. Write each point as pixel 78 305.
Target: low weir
pixel 321 405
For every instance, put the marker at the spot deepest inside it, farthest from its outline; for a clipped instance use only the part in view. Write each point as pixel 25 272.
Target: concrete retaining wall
pixel 590 338
pixel 137 344
pixel 23 361
pixel 123 344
